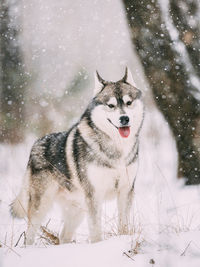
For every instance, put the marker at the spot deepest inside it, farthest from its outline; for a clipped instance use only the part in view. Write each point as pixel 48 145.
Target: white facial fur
pixel 135 114
pixel 101 117
pixel 112 101
pixel 126 98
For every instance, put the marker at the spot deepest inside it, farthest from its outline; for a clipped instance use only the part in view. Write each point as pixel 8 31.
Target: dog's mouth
pixel 123 131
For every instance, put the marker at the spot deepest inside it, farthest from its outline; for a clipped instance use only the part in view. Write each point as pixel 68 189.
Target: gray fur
pixel 60 165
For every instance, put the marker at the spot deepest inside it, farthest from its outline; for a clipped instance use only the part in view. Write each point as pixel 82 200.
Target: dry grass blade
pixel 128 256
pixel 137 247
pixel 22 234
pixel 2 244
pixel 50 237
pixel 183 253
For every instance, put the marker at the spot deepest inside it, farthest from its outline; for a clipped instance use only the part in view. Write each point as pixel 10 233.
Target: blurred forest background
pixel 49 51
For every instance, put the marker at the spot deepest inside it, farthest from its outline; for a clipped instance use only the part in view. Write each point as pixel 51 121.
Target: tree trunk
pixel 12 82
pixel 171 66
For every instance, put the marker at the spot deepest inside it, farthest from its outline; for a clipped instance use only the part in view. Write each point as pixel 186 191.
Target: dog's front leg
pixel 124 201
pixel 94 219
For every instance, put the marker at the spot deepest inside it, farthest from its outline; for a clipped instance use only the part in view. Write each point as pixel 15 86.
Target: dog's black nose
pixel 124 120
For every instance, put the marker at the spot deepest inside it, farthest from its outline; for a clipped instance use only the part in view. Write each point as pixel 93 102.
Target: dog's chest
pixel 108 181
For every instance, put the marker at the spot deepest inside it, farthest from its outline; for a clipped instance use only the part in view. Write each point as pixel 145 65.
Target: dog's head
pixel 118 106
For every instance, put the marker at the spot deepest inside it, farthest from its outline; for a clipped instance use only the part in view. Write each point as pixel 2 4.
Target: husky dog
pixel 95 160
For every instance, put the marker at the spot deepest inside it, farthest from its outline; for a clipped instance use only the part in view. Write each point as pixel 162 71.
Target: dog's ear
pixel 128 78
pixel 99 83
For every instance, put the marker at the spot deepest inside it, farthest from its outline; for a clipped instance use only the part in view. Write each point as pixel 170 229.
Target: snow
pixel 108 253
pixel 165 216
pixel 182 250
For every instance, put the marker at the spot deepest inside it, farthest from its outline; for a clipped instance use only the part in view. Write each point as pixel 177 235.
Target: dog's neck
pixel 114 147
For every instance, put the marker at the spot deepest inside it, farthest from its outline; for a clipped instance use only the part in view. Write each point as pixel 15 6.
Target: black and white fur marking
pixel 90 163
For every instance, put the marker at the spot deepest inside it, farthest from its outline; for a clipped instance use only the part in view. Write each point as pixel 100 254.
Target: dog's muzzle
pixel 124 120
pixel 124 129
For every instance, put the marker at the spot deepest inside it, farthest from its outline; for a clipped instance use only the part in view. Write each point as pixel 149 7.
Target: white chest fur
pixel 107 182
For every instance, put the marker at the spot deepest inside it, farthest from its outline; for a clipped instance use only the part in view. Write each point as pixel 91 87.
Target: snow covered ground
pixel 112 252
pixel 166 214
pixel 165 222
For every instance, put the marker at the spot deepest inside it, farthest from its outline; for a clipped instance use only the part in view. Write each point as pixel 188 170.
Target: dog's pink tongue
pixel 124 131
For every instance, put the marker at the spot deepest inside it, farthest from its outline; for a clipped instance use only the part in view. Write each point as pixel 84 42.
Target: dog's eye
pixel 129 103
pixel 111 106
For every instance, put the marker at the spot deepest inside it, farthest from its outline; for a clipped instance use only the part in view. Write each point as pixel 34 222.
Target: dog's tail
pixel 19 207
